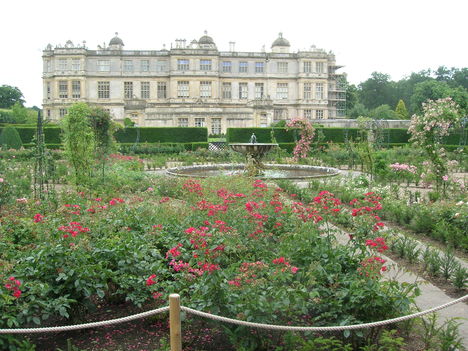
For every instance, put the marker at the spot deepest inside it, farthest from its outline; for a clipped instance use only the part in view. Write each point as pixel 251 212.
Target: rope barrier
pixel 86 325
pixel 321 329
pixel 228 320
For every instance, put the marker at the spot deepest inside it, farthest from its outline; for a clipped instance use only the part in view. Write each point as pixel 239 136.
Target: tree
pixel 79 141
pixel 357 111
pixel 401 111
pixel 434 90
pixel 19 113
pixel 9 96
pixel 10 138
pixel 377 90
pixel 351 96
pixel 382 112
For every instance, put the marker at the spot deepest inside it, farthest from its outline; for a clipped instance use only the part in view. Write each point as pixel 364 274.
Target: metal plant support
pixel 43 165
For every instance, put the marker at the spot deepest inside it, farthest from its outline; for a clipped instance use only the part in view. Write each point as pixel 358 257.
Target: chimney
pixel 232 45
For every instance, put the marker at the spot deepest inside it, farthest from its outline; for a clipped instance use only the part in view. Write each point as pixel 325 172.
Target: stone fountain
pixel 254 152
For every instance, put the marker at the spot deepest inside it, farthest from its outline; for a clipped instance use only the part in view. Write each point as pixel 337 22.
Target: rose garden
pixel 93 229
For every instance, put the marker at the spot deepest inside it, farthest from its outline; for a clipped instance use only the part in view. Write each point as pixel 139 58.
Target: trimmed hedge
pixel 127 135
pixel 162 135
pixel 242 135
pixel 336 135
pixel 156 148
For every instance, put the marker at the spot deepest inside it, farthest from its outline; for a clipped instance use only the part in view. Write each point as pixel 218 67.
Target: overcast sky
pixel 395 37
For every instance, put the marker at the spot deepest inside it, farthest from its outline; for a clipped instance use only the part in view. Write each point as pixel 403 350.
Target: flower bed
pixel 232 246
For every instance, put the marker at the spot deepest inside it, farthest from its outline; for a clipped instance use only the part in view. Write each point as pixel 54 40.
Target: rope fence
pixel 175 308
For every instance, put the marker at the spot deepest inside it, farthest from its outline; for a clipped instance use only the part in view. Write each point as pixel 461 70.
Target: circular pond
pixel 271 171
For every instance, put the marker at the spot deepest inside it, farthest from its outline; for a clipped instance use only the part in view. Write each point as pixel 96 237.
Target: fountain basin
pixel 271 171
pixel 255 149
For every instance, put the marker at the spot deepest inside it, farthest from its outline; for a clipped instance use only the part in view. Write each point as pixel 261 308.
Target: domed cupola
pixel 116 43
pixel 280 44
pixel 206 42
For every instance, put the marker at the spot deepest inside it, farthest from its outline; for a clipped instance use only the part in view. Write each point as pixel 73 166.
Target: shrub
pixel 10 138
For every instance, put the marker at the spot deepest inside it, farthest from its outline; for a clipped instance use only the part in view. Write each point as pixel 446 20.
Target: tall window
pixel 307 91
pixel 282 91
pixel 103 90
pixel 205 89
pixel 243 67
pixel 103 66
pixel 76 89
pixel 259 67
pixel 144 65
pixel 319 114
pixel 216 126
pixel 258 90
pixel 76 65
pixel 199 122
pixel 308 114
pixel 226 66
pixel 47 68
pixel 282 67
pixel 319 90
pixel 319 67
pixel 243 91
pixel 63 64
pixel 227 91
pixel 162 90
pixel 48 113
pixel 145 90
pixel 63 112
pixel 307 66
pixel 128 66
pixel 128 90
pixel 182 122
pixel 49 90
pixel 183 65
pixel 205 65
pixel 161 65
pixel 278 115
pixel 183 89
pixel 63 89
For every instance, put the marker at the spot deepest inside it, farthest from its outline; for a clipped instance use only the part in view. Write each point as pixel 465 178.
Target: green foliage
pixel 401 111
pixel 382 112
pixel 377 90
pixel 357 110
pixel 19 113
pixel 162 135
pixel 79 142
pixel 9 96
pixel 10 139
pixel 128 122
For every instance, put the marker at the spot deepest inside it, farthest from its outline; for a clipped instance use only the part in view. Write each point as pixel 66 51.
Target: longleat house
pixel 194 84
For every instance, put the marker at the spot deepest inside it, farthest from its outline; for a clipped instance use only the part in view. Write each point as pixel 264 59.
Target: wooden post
pixel 174 322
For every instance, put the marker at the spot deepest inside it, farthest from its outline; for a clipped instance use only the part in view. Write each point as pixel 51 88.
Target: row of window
pixel 278 114
pixel 207 65
pixel 183 90
pixel 184 65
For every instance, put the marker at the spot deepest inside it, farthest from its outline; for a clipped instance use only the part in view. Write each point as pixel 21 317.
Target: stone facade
pixel 194 84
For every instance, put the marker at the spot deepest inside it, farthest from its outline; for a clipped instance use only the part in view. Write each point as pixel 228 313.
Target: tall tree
pixel 377 90
pixel 9 96
pixel 434 90
pixel 401 111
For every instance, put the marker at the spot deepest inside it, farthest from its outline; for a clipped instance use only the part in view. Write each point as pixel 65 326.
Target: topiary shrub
pixel 10 139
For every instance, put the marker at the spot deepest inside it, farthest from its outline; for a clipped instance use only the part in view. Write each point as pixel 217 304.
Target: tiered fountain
pixel 254 152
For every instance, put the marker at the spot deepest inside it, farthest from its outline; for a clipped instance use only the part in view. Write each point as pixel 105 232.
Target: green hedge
pixel 162 135
pixel 335 135
pixel 242 135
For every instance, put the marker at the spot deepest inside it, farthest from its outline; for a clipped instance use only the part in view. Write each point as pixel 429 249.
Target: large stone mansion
pixel 194 84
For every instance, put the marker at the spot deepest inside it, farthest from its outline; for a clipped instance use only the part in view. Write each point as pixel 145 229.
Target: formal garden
pixel 91 229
